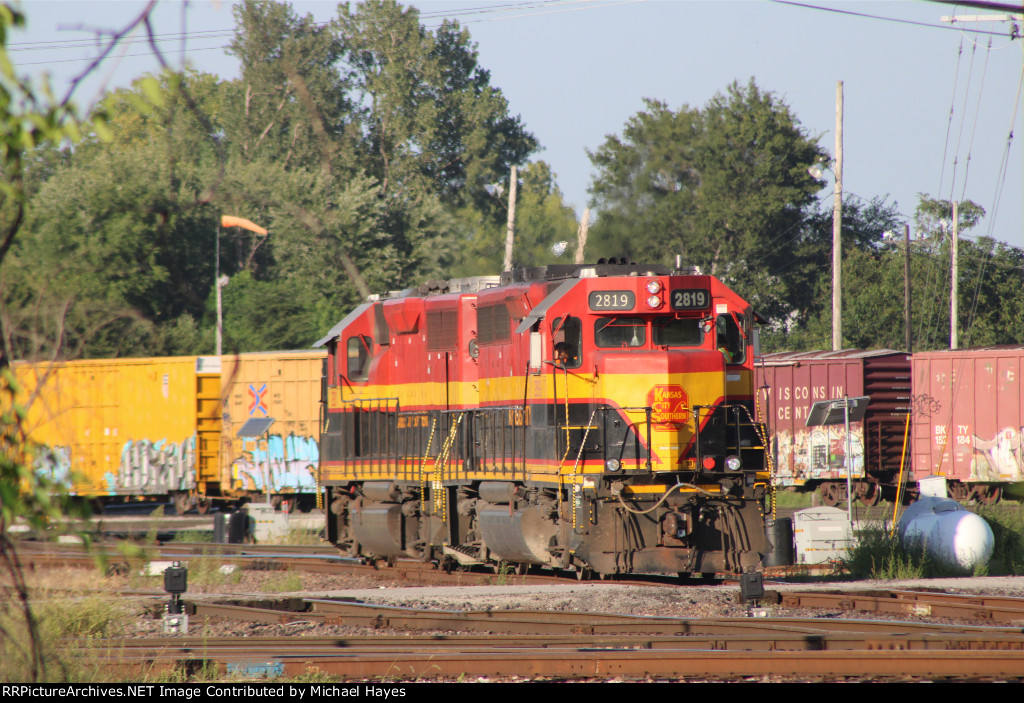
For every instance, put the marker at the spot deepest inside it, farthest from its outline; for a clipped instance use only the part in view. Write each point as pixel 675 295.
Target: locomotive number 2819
pixel 612 300
pixel 690 299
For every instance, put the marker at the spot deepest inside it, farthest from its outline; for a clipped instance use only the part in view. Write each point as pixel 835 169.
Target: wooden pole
pixel 510 229
pixel 837 225
pixel 581 236
pixel 909 341
pixel 954 341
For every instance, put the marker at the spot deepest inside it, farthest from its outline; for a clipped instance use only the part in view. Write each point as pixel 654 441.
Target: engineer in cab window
pixel 564 354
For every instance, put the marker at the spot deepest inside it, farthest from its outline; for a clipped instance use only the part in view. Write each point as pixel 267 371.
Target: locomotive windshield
pixel 618 332
pixel 670 332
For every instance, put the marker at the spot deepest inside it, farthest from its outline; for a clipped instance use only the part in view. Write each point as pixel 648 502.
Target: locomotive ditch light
pixel 733 463
pixel 612 464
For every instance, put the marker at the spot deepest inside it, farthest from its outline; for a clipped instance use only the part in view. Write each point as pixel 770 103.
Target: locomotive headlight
pixel 733 463
pixel 612 464
pixel 653 287
pixel 654 302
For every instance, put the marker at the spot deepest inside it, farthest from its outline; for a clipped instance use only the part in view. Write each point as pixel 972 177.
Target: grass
pixel 1008 531
pixel 298 536
pixel 193 536
pixel 876 555
pixel 785 498
pixel 286 582
pixel 88 618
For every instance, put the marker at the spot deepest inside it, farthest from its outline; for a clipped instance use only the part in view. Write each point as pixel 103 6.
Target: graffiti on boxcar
pixel 816 453
pixel 924 405
pixel 999 458
pixel 54 464
pixel 291 461
pixel 156 467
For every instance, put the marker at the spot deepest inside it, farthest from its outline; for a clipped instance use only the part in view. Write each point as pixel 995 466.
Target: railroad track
pixel 564 645
pixel 303 558
pixel 996 609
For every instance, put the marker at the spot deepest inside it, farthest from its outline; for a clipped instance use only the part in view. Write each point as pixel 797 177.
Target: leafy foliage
pixel 726 186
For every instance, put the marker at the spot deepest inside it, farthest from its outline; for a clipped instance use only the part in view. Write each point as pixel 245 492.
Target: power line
pixel 882 18
pixel 544 5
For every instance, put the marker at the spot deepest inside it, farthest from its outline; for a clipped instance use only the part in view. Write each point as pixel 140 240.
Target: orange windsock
pixel 232 221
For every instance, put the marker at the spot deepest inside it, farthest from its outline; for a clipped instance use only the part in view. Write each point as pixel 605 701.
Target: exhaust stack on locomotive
pixel 596 417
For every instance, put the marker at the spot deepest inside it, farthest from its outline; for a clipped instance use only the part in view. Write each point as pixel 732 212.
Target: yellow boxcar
pixel 118 427
pixel 285 387
pixel 168 427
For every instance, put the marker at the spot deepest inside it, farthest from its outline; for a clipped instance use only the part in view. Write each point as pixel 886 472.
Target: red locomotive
pixel 596 418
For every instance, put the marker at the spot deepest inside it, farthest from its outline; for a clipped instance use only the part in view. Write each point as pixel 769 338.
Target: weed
pixel 198 671
pixel 81 619
pixel 879 555
pixel 193 536
pixel 1008 551
pixel 786 498
pixel 298 536
pixel 283 583
pixel 210 571
pixel 312 675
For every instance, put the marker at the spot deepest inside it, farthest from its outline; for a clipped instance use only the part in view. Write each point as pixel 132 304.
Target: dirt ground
pixel 142 612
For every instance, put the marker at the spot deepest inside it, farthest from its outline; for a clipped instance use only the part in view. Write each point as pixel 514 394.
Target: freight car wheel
pixel 958 491
pixel 584 573
pixel 831 494
pixel 872 496
pixel 203 506
pixel 182 503
pixel 989 495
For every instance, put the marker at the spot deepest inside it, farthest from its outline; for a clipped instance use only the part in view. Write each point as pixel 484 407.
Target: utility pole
pixel 510 228
pixel 837 225
pixel 216 282
pixel 954 342
pixel 906 289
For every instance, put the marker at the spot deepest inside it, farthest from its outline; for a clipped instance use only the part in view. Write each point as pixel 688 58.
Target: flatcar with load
pixel 596 418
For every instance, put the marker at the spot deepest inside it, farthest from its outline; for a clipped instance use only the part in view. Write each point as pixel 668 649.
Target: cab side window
pixel 568 331
pixel 729 340
pixel 359 350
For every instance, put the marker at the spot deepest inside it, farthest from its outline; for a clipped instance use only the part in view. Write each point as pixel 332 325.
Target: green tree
pixel 125 257
pixel 991 277
pixel 542 220
pixel 726 186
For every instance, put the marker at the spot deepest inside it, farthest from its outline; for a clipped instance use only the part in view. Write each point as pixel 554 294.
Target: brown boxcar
pixel 789 383
pixel 967 419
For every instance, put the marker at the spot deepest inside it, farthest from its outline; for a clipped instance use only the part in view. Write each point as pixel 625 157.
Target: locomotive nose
pixel 664 386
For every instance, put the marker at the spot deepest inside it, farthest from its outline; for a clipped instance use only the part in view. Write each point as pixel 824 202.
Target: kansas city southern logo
pixel 669 406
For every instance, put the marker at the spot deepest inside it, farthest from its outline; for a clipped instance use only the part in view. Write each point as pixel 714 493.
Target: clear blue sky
pixel 576 70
